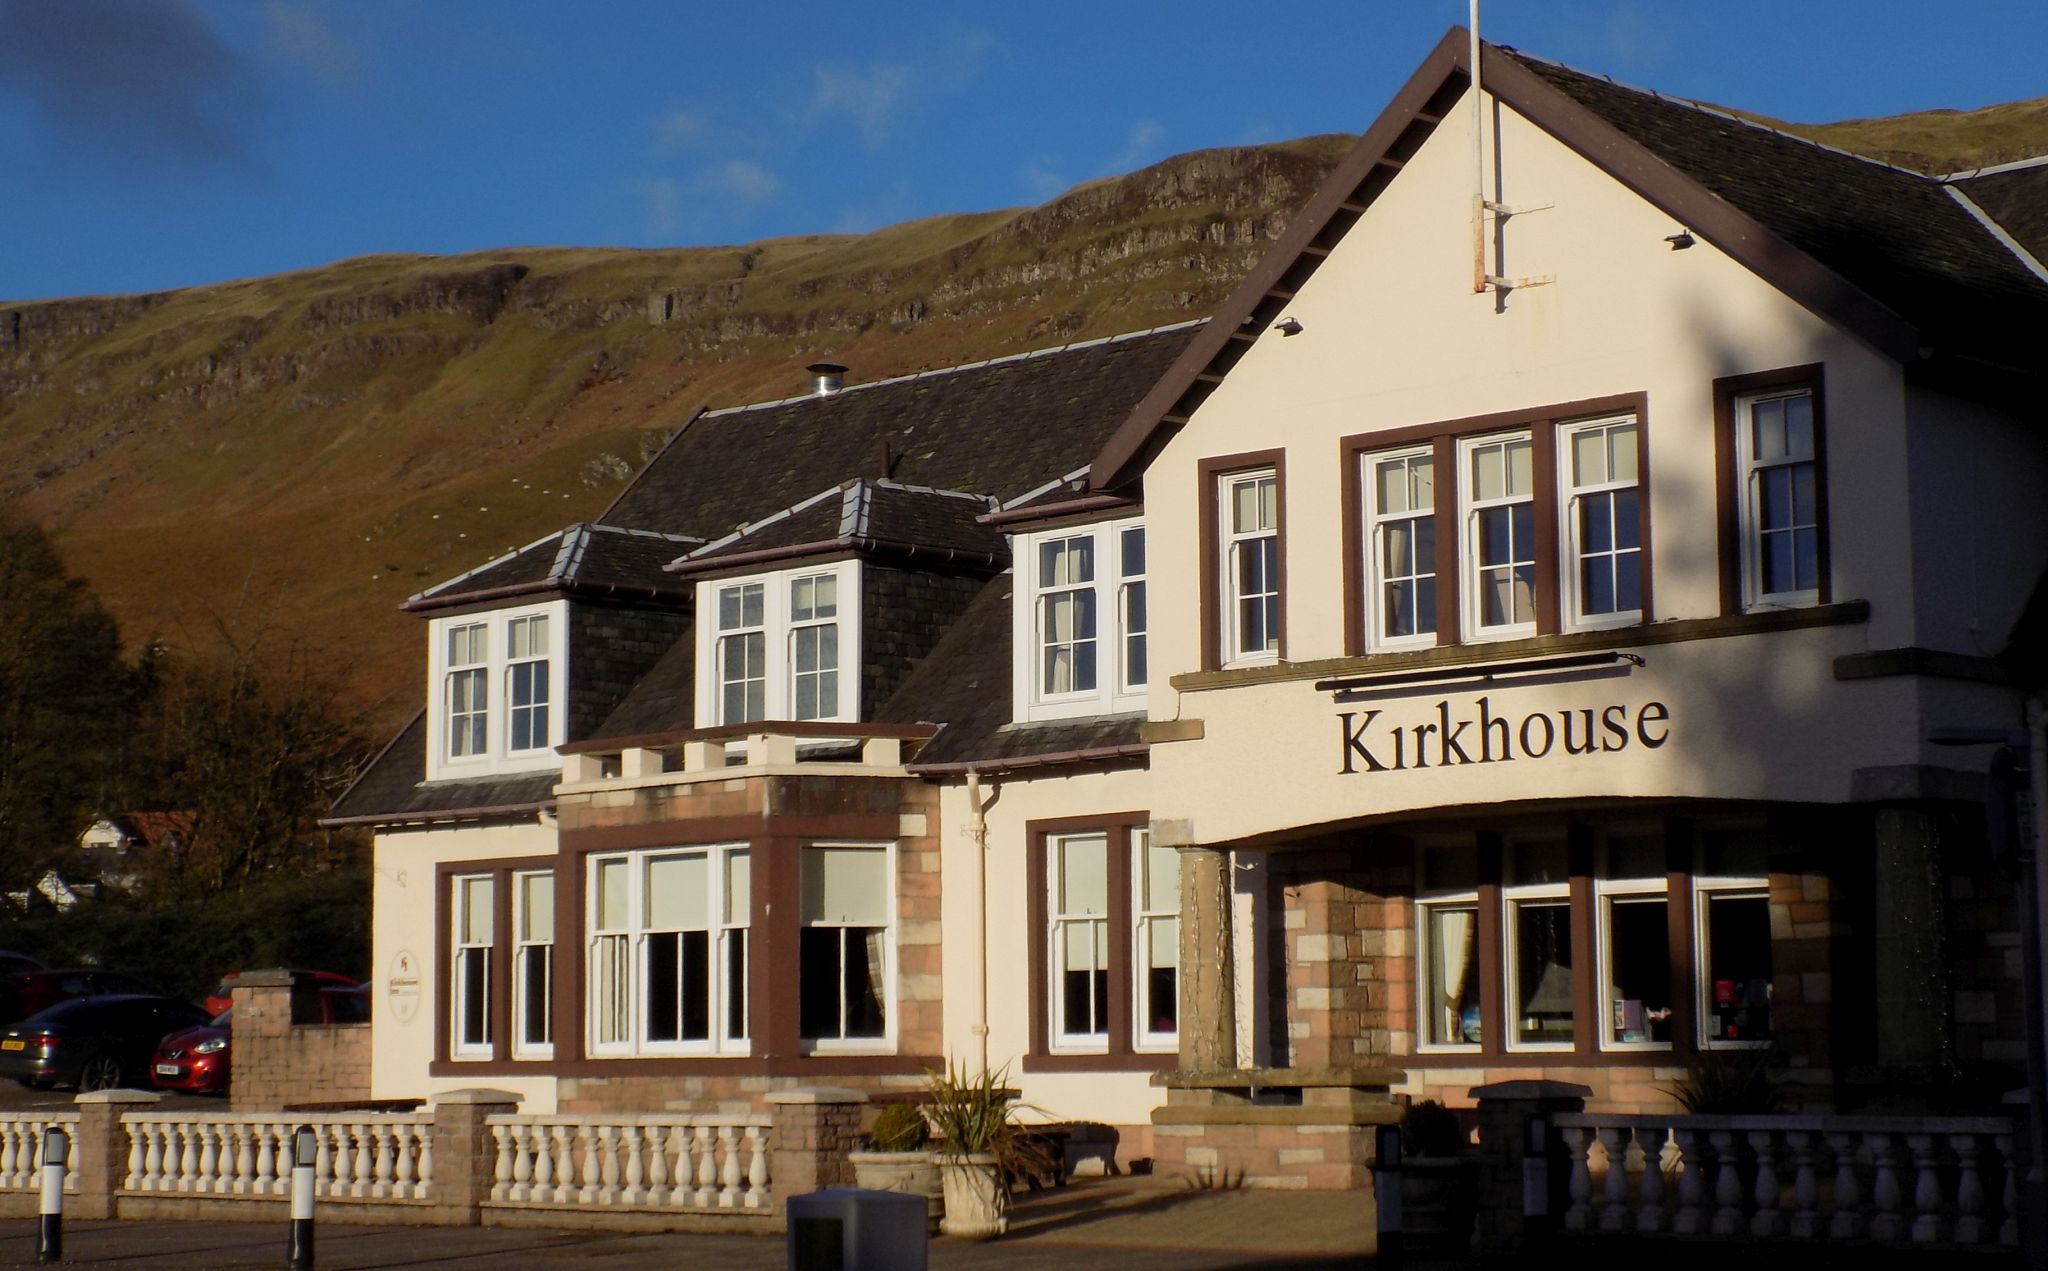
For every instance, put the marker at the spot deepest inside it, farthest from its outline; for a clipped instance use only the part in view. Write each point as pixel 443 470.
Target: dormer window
pixel 775 645
pixel 1080 621
pixel 495 678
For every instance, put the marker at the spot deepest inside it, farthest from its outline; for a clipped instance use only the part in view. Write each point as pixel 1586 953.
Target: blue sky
pixel 155 143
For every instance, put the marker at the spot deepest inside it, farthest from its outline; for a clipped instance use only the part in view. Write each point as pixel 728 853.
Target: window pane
pixel 1393 486
pixel 1162 879
pixel 478 910
pixel 1542 963
pixel 864 989
pixel 1798 414
pixel 736 983
pixel 1767 422
pixel 537 906
pixel 846 885
pixel 663 984
pixel 1084 874
pixel 1451 976
pixel 1520 461
pixel 1133 542
pixel 1622 453
pixel 536 974
pixel 475 977
pixel 818 982
pixel 1589 457
pixel 1738 948
pixel 677 891
pixel 739 892
pixel 1638 971
pixel 611 895
pixel 1533 863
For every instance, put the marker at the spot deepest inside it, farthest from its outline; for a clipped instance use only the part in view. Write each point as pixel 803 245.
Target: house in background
pixel 1507 640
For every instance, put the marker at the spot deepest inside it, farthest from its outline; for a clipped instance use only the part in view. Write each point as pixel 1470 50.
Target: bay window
pixel 844 945
pixel 668 951
pixel 776 647
pixel 1080 621
pixel 1447 947
pixel 1536 894
pixel 497 680
pixel 1634 908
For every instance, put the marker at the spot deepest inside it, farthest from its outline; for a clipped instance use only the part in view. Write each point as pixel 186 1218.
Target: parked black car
pixel 24 993
pixel 93 1043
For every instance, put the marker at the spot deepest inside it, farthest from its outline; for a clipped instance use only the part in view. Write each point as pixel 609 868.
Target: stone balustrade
pixel 1905 1180
pixel 653 1162
pixel 360 1156
pixel 21 1149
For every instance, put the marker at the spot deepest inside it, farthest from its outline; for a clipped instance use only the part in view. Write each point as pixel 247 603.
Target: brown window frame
pixel 1733 526
pixel 1211 474
pixel 1444 438
pixel 1120 1054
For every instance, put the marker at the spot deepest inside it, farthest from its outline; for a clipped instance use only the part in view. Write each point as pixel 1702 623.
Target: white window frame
pixel 1606 893
pixel 1231 594
pixel 1470 606
pixel 513 665
pixel 1133 620
pixel 1704 889
pixel 1144 1038
pixel 1376 519
pixel 1058 1040
pixel 1432 898
pixel 754 634
pixel 1749 471
pixel 1113 692
pixel 779 643
pixel 460 951
pixel 497 757
pixel 529 946
pixel 1569 536
pixel 885 1044
pixel 628 987
pixel 1512 898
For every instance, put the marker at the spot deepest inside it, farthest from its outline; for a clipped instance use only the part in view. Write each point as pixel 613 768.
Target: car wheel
pixel 101 1072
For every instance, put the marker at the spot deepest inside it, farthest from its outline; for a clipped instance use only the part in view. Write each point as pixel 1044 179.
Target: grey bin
pixel 854 1229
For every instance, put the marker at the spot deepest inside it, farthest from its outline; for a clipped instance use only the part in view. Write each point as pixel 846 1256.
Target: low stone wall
pixel 280 1064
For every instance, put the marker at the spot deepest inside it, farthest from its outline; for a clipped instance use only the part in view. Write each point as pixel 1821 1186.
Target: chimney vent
pixel 827 378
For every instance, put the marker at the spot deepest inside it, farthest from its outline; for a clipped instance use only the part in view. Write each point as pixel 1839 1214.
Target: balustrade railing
pixel 656 1162
pixel 21 1150
pixel 360 1156
pixel 1917 1180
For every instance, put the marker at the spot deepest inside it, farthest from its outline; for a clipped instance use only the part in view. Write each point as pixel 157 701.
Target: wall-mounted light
pixel 1680 241
pixel 1288 326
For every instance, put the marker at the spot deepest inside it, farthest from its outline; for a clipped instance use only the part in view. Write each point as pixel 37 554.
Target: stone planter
pixel 1439 1201
pixel 912 1173
pixel 977 1201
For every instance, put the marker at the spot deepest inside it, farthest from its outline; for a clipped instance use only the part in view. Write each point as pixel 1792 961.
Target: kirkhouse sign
pixel 1372 742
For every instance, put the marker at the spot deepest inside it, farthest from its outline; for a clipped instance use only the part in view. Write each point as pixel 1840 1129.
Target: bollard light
pixel 305 1146
pixel 50 1204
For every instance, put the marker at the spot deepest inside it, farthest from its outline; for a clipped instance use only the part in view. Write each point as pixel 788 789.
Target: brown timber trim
pixel 1080 510
pixel 439 816
pixel 1492 920
pixel 1877 664
pixel 1051 758
pixel 457 604
pixel 1680 857
pixel 1210 474
pixel 703 831
pixel 809 1066
pixel 1728 481
pixel 1582 855
pixel 1670 631
pixel 1118 1055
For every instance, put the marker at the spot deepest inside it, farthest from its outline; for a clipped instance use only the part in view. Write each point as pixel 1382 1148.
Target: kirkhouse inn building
pixel 1512 637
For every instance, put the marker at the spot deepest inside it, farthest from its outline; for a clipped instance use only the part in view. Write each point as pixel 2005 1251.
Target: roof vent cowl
pixel 827 378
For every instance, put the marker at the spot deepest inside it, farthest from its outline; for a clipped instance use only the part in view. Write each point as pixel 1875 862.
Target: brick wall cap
pixel 470 1097
pixel 1369 1078
pixel 270 978
pixel 817 1094
pixel 120 1096
pixel 1531 1089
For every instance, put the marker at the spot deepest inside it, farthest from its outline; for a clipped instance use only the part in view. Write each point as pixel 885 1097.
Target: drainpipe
pixel 977 829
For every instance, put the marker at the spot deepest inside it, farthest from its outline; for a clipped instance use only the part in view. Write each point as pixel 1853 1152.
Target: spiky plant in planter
pixel 980 1148
pixel 896 1159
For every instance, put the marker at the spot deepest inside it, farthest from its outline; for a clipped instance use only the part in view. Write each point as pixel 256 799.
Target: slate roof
pixel 661 701
pixel 1896 234
pixel 998 428
pixel 866 515
pixel 2016 196
pixel 587 559
pixel 391 791
pixel 965 684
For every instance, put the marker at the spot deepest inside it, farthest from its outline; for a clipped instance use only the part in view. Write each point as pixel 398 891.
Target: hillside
pixel 309 449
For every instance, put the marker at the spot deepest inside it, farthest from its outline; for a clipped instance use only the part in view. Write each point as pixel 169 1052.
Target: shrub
pixel 900 1127
pixel 1430 1129
pixel 1728 1083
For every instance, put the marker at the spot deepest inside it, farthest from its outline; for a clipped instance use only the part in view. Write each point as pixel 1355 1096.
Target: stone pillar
pixel 1208 988
pixel 1912 1006
pixel 816 1130
pixel 1504 1111
pixel 100 1151
pixel 465 1152
pixel 261 1033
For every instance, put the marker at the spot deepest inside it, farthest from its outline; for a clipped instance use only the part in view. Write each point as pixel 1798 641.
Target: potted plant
pixel 897 1158
pixel 979 1147
pixel 1439 1179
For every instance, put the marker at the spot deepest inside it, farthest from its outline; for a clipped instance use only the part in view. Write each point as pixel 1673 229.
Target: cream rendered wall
pixel 1115 1098
pixel 1394 337
pixel 405 922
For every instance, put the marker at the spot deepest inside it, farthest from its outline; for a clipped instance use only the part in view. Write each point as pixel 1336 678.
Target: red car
pixel 198 1059
pixel 223 996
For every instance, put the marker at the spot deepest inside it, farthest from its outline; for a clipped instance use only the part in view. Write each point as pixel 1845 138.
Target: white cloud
pixel 1043 182
pixel 1142 146
pixel 872 97
pixel 740 180
pixel 662 202
pixel 298 34
pixel 682 129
